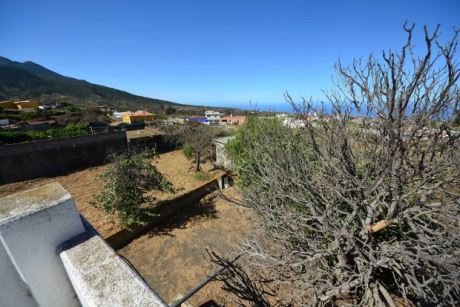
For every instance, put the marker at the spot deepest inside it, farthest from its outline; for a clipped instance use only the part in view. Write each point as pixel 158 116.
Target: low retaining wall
pixel 57 157
pixel 164 210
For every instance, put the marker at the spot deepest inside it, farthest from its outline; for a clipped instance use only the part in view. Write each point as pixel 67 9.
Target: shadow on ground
pixel 210 303
pixel 203 209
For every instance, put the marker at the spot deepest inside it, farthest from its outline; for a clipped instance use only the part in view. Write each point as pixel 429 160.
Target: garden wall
pixel 57 157
pixel 160 142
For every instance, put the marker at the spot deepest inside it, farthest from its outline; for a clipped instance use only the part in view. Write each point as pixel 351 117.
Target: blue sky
pixel 215 52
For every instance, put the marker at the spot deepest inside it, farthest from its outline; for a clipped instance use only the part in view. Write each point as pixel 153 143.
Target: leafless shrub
pixel 246 289
pixel 194 136
pixel 366 208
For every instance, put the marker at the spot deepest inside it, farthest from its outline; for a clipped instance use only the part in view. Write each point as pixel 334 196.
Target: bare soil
pixel 172 258
pixel 83 185
pixel 148 131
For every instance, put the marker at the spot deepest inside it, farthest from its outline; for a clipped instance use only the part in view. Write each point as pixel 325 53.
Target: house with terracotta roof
pixel 233 120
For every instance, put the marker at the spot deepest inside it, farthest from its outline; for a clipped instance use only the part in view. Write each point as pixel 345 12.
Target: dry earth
pixel 173 259
pixel 83 185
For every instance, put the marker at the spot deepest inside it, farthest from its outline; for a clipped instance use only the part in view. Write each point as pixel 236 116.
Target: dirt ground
pixel 83 185
pixel 148 131
pixel 172 258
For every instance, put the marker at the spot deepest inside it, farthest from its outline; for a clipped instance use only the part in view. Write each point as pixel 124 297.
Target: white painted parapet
pixel 32 225
pixel 102 278
pixel 50 256
pixel 13 291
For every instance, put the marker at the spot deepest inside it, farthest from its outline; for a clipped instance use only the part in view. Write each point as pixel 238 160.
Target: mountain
pixel 28 80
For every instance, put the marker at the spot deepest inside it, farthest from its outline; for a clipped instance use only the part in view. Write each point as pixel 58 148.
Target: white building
pixel 294 123
pixel 213 117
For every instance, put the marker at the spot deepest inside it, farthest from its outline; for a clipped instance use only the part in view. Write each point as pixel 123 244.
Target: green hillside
pixel 28 80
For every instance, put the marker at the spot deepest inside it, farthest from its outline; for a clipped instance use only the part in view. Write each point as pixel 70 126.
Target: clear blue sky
pixel 215 52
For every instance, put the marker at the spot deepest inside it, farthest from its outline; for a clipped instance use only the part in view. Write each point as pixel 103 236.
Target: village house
pixel 233 120
pixel 138 116
pixel 198 119
pixel 213 117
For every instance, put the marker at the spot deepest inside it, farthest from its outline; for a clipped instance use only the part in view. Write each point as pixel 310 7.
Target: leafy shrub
pixel 11 137
pixel 188 151
pixel 72 109
pixel 71 130
pixel 129 178
pixel 250 147
pixel 202 176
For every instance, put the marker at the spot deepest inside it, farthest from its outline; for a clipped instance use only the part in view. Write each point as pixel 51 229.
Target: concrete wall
pixel 51 257
pixel 13 291
pixel 56 157
pixel 102 278
pixel 222 159
pixel 32 225
pixel 160 142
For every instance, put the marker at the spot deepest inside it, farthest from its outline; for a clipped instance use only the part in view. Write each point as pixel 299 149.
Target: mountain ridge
pixel 29 80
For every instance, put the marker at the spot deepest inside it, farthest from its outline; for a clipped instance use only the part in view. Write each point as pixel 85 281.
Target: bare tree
pixel 199 138
pixel 366 208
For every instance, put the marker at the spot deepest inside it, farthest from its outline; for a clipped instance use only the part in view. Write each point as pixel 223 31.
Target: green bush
pixel 71 130
pixel 188 151
pixel 24 116
pixel 11 137
pixel 72 109
pixel 248 150
pixel 129 178
pixel 202 176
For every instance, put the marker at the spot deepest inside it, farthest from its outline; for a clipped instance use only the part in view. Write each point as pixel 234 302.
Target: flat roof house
pixel 138 116
pixel 213 117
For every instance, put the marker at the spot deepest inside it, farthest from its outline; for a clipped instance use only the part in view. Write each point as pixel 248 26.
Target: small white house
pixel 213 117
